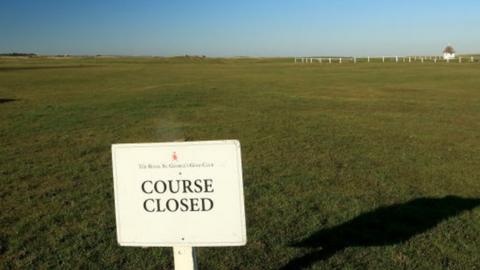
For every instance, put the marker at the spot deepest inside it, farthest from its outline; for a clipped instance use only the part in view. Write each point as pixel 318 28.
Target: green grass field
pixel 355 159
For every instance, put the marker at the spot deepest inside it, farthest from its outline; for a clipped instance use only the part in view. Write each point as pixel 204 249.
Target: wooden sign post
pixel 181 195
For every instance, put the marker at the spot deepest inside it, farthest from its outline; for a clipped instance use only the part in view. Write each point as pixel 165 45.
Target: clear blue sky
pixel 239 28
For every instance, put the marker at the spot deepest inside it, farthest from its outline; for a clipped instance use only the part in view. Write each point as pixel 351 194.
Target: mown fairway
pixel 322 145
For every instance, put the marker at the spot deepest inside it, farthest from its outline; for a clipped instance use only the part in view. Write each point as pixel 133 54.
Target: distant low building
pixel 448 53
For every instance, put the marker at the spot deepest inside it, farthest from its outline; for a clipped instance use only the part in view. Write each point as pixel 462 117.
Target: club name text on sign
pixel 179 194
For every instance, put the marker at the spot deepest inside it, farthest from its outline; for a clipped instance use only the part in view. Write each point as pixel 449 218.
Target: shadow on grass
pixel 6 100
pixel 6 69
pixel 383 226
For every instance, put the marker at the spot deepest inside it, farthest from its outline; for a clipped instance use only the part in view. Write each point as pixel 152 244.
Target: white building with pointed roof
pixel 448 53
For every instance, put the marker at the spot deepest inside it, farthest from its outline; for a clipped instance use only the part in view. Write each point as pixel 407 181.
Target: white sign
pixel 179 194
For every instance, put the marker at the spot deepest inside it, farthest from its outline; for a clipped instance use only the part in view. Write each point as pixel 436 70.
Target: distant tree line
pixel 18 54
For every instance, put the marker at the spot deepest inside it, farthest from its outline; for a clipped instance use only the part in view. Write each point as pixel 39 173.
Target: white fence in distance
pixel 384 59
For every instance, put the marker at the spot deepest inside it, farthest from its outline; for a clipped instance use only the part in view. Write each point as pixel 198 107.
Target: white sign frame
pixel 118 150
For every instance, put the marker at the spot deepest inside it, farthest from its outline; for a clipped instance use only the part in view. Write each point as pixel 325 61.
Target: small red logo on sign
pixel 174 156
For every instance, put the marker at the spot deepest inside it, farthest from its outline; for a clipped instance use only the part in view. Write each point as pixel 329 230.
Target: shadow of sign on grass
pixel 383 226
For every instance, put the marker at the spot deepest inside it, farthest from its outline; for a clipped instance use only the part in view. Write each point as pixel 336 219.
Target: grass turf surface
pixel 326 148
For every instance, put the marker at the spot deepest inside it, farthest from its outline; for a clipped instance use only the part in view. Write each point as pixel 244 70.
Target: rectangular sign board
pixel 179 194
